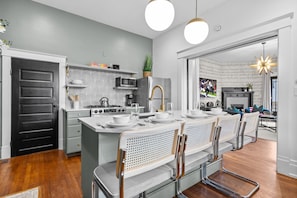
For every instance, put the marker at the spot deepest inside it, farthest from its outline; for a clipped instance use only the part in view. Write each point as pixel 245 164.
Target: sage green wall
pixel 37 27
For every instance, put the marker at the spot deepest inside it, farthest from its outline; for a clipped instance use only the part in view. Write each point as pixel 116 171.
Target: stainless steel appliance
pixel 97 110
pixel 129 99
pixel 104 101
pixel 125 82
pixel 144 92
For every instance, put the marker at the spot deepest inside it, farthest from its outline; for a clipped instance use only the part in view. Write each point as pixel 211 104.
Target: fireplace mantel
pixel 236 96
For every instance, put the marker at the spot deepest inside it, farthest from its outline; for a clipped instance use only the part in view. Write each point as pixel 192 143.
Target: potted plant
pixel 147 69
pixel 249 86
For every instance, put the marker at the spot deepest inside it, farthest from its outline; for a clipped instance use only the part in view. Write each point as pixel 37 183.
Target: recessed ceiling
pixel 129 14
pixel 247 54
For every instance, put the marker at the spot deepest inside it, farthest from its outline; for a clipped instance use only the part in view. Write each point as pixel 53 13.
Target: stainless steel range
pixel 97 110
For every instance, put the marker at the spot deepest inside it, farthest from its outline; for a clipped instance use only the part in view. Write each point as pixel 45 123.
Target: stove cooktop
pixel 111 109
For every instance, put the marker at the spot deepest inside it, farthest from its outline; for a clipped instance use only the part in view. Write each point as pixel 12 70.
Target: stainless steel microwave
pixel 125 82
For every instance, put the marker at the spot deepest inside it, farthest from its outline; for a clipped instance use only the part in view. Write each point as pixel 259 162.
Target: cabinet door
pixel 74 131
pixel 74 145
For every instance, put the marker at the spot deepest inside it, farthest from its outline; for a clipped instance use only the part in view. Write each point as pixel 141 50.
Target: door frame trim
pixel 282 27
pixel 7 54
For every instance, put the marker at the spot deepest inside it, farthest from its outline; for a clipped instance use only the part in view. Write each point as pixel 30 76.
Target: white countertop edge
pixel 82 109
pixel 92 122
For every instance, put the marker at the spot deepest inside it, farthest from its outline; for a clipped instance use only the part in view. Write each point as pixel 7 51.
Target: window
pixel 274 94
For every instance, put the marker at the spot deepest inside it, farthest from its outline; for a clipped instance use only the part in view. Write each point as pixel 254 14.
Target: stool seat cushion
pixel 106 174
pixel 194 161
pixel 223 147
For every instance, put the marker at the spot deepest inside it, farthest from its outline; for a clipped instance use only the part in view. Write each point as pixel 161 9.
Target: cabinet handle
pixel 78 145
pixel 78 131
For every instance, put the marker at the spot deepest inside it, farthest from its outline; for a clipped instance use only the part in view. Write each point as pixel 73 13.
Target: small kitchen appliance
pixel 125 82
pixel 129 99
pixel 104 102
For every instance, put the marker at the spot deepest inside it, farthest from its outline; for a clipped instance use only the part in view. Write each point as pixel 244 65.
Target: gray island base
pixel 99 146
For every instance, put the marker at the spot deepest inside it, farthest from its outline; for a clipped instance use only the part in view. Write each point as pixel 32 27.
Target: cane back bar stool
pixel 197 136
pixel 229 127
pixel 141 162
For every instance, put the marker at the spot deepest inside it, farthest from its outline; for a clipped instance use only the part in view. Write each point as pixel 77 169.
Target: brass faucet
pixel 162 107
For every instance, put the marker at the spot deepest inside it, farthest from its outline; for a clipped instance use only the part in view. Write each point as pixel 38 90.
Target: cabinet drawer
pixel 74 121
pixel 78 114
pixel 74 131
pixel 73 145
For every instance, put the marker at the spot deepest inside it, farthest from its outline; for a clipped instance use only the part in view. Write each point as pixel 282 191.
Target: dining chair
pixel 141 162
pixel 228 127
pixel 196 137
pixel 248 131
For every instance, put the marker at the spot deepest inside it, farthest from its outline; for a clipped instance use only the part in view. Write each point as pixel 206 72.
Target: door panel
pixel 34 106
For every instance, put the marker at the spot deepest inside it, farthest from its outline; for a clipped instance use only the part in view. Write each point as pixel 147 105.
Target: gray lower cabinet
pixel 72 130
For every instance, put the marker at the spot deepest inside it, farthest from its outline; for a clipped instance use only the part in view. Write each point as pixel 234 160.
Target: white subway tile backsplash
pixel 99 84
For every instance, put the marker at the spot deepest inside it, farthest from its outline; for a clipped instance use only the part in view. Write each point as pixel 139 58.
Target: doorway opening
pixel 231 68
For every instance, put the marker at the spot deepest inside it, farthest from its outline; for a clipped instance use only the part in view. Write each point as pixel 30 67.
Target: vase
pixel 147 73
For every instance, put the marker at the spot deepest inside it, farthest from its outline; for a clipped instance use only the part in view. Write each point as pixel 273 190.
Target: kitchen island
pixel 99 146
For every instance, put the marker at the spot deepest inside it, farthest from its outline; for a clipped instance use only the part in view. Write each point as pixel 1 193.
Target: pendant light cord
pixel 196 9
pixel 263 49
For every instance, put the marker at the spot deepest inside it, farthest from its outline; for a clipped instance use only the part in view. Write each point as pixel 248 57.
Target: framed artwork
pixel 208 88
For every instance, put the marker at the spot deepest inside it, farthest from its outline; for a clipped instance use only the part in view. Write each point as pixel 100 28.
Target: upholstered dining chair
pixel 141 162
pixel 197 136
pixel 228 127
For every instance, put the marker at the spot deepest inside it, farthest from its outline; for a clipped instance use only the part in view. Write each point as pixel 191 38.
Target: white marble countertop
pixel 104 123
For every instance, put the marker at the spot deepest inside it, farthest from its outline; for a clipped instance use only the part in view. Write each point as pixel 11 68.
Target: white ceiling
pixel 129 15
pixel 247 54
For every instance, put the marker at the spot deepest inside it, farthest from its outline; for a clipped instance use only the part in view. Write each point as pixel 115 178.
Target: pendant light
pixel 159 14
pixel 196 30
pixel 264 64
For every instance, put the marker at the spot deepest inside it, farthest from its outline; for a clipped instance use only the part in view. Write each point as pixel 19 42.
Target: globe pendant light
pixel 196 30
pixel 159 14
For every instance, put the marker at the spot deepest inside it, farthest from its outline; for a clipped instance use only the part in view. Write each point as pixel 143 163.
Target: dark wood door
pixel 35 99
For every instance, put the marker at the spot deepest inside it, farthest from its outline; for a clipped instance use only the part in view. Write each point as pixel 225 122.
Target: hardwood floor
pixel 59 176
pixel 55 175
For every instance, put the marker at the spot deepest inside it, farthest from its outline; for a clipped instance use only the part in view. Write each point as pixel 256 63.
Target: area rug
pixel 267 133
pixel 31 193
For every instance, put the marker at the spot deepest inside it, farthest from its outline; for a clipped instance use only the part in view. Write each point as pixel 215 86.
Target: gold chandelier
pixel 264 64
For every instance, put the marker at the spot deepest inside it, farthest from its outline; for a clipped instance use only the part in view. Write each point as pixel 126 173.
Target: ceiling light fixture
pixel 196 30
pixel 159 14
pixel 3 24
pixel 264 64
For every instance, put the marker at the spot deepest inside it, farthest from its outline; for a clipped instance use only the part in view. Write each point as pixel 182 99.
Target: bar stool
pixel 141 162
pixel 228 129
pixel 197 136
